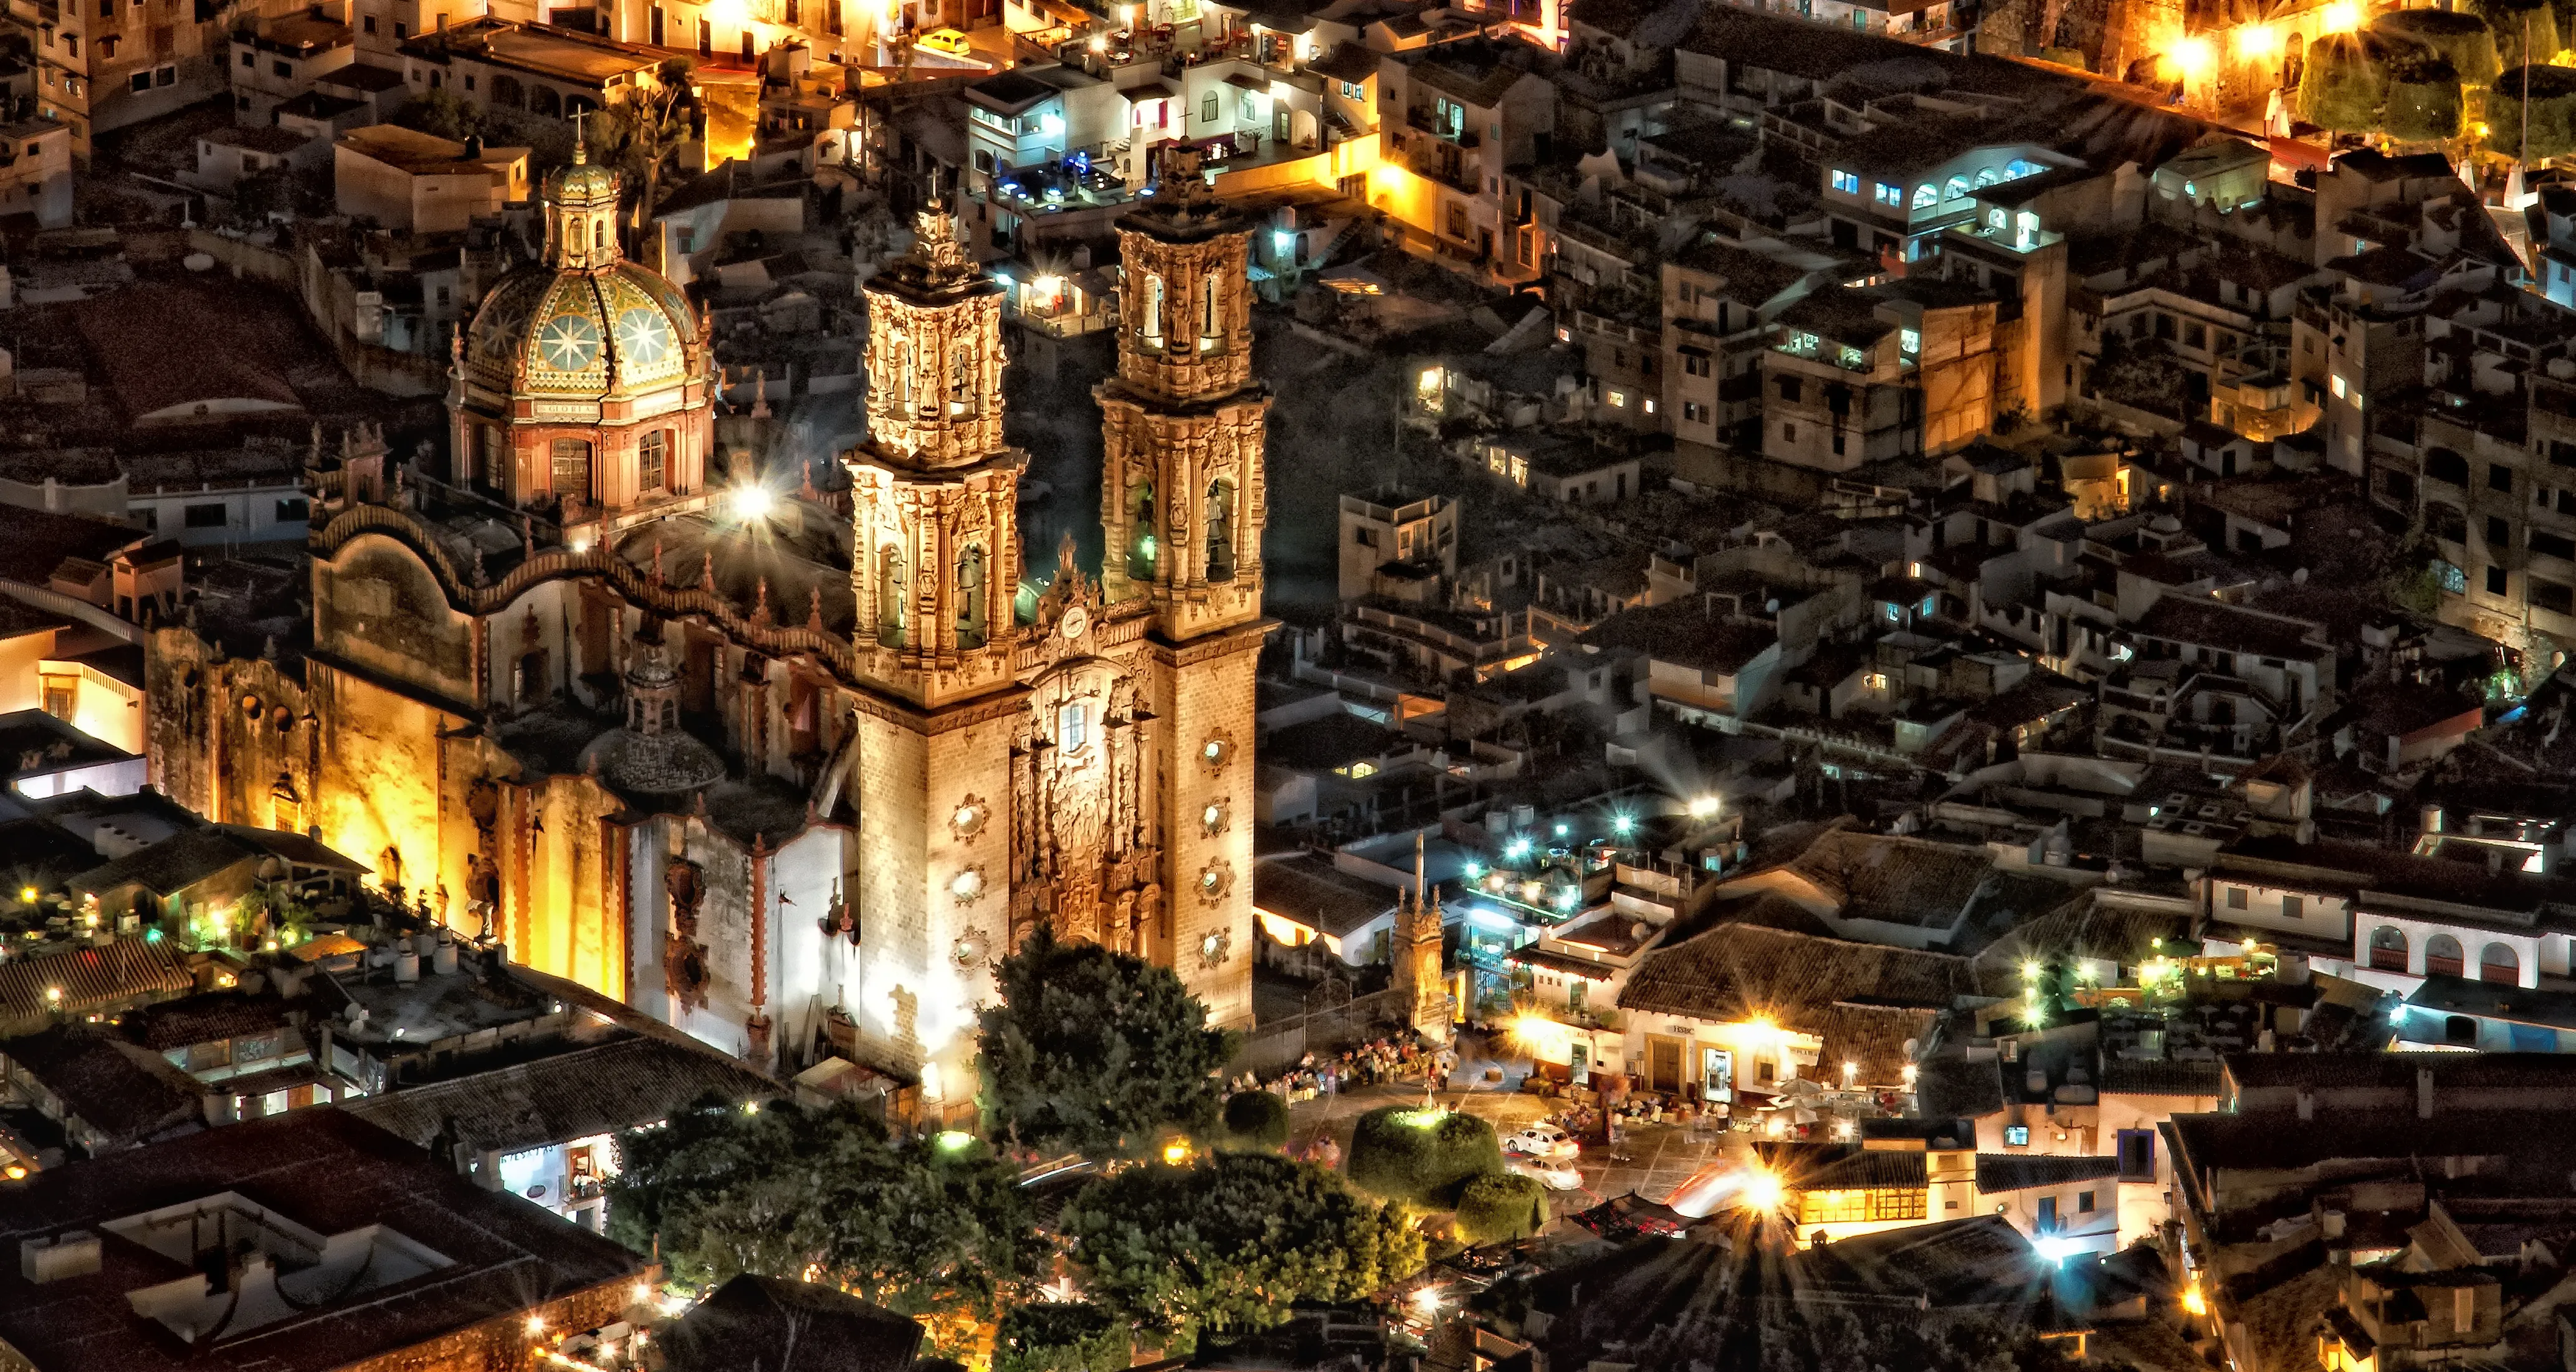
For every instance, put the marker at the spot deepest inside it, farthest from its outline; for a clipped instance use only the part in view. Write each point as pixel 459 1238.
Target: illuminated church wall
pixel 662 776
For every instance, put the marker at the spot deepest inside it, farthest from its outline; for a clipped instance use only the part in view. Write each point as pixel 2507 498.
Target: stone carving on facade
pixel 684 959
pixel 838 920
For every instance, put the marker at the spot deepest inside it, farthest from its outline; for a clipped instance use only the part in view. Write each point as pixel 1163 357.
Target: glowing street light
pixel 2343 16
pixel 1701 807
pixel 2257 40
pixel 1762 1191
pixel 752 501
pixel 2191 58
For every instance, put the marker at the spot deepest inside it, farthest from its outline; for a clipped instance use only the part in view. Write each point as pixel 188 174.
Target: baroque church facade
pixel 777 767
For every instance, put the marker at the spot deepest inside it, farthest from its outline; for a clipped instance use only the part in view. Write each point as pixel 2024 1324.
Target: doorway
pixel 1663 1064
pixel 1716 1074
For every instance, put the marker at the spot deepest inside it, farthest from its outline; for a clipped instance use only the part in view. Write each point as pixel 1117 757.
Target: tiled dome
pixel 617 329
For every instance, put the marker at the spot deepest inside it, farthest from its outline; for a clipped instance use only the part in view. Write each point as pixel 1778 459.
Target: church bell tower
pixel 1182 508
pixel 934 566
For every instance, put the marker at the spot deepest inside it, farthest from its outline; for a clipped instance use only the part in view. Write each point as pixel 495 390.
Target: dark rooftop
pixel 330 1174
pixel 763 1322
pixel 625 1084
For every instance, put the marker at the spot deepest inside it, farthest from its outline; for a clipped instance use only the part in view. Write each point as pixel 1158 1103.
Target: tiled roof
pixel 764 1322
pixel 1982 1261
pixel 2161 1077
pixel 108 977
pixel 1843 1166
pixel 168 867
pixel 127 1094
pixel 1738 972
pixel 1874 1037
pixel 1998 1172
pixel 620 1085
pixel 1946 1087
pixel 1310 890
pixel 1551 961
pixel 204 1019
pixel 34 542
pixel 2396 1071
pixel 1915 882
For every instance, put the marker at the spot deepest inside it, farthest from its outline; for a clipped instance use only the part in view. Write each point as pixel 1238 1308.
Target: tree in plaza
pixel 1096 1051
pixel 641 132
pixel 1232 1242
pixel 933 1226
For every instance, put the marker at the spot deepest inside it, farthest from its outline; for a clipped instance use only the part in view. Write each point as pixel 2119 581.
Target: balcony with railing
pixel 1451 164
pixel 1428 120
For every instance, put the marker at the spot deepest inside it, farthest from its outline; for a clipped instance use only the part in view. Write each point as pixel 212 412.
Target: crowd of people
pixel 1380 1060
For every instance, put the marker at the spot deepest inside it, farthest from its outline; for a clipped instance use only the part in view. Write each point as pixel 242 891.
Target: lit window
pixel 1073 727
pixel 1619 399
pixel 1910 341
pixel 1846 182
pixel 2017 1136
pixel 2337 383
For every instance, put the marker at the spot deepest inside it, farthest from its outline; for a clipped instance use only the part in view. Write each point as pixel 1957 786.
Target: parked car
pixel 949 41
pixel 1542 1140
pixel 1555 1176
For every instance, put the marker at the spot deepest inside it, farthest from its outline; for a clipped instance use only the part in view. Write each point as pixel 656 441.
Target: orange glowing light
pixel 2191 57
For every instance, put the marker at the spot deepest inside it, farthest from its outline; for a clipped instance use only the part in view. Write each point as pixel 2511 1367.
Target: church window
pixel 1073 728
pixel 961 385
pixel 970 598
pixel 1220 530
pixel 891 596
pixel 571 458
pixel 599 233
pixel 1140 557
pixel 653 460
pixel 531 687
pixel 1154 310
pixel 1208 312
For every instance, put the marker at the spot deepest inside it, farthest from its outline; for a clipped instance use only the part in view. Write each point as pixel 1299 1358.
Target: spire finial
pixel 580 138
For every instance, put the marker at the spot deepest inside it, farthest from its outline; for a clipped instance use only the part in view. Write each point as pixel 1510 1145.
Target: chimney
pixel 2307 1104
pixel 2423 1093
pixel 2432 819
pixel 69 1255
pixel 406 967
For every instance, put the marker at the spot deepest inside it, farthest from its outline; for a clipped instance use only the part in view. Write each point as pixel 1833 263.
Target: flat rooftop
pixel 434 1255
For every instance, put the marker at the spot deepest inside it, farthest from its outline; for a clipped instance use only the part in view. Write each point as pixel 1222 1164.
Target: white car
pixel 1544 1141
pixel 1555 1176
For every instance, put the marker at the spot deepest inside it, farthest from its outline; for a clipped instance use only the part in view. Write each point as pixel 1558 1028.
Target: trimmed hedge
pixel 1255 1120
pixel 2342 85
pixel 1399 1155
pixel 1071 1336
pixel 1501 1207
pixel 2463 40
pixel 2553 112
pixel 2506 19
pixel 2423 99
